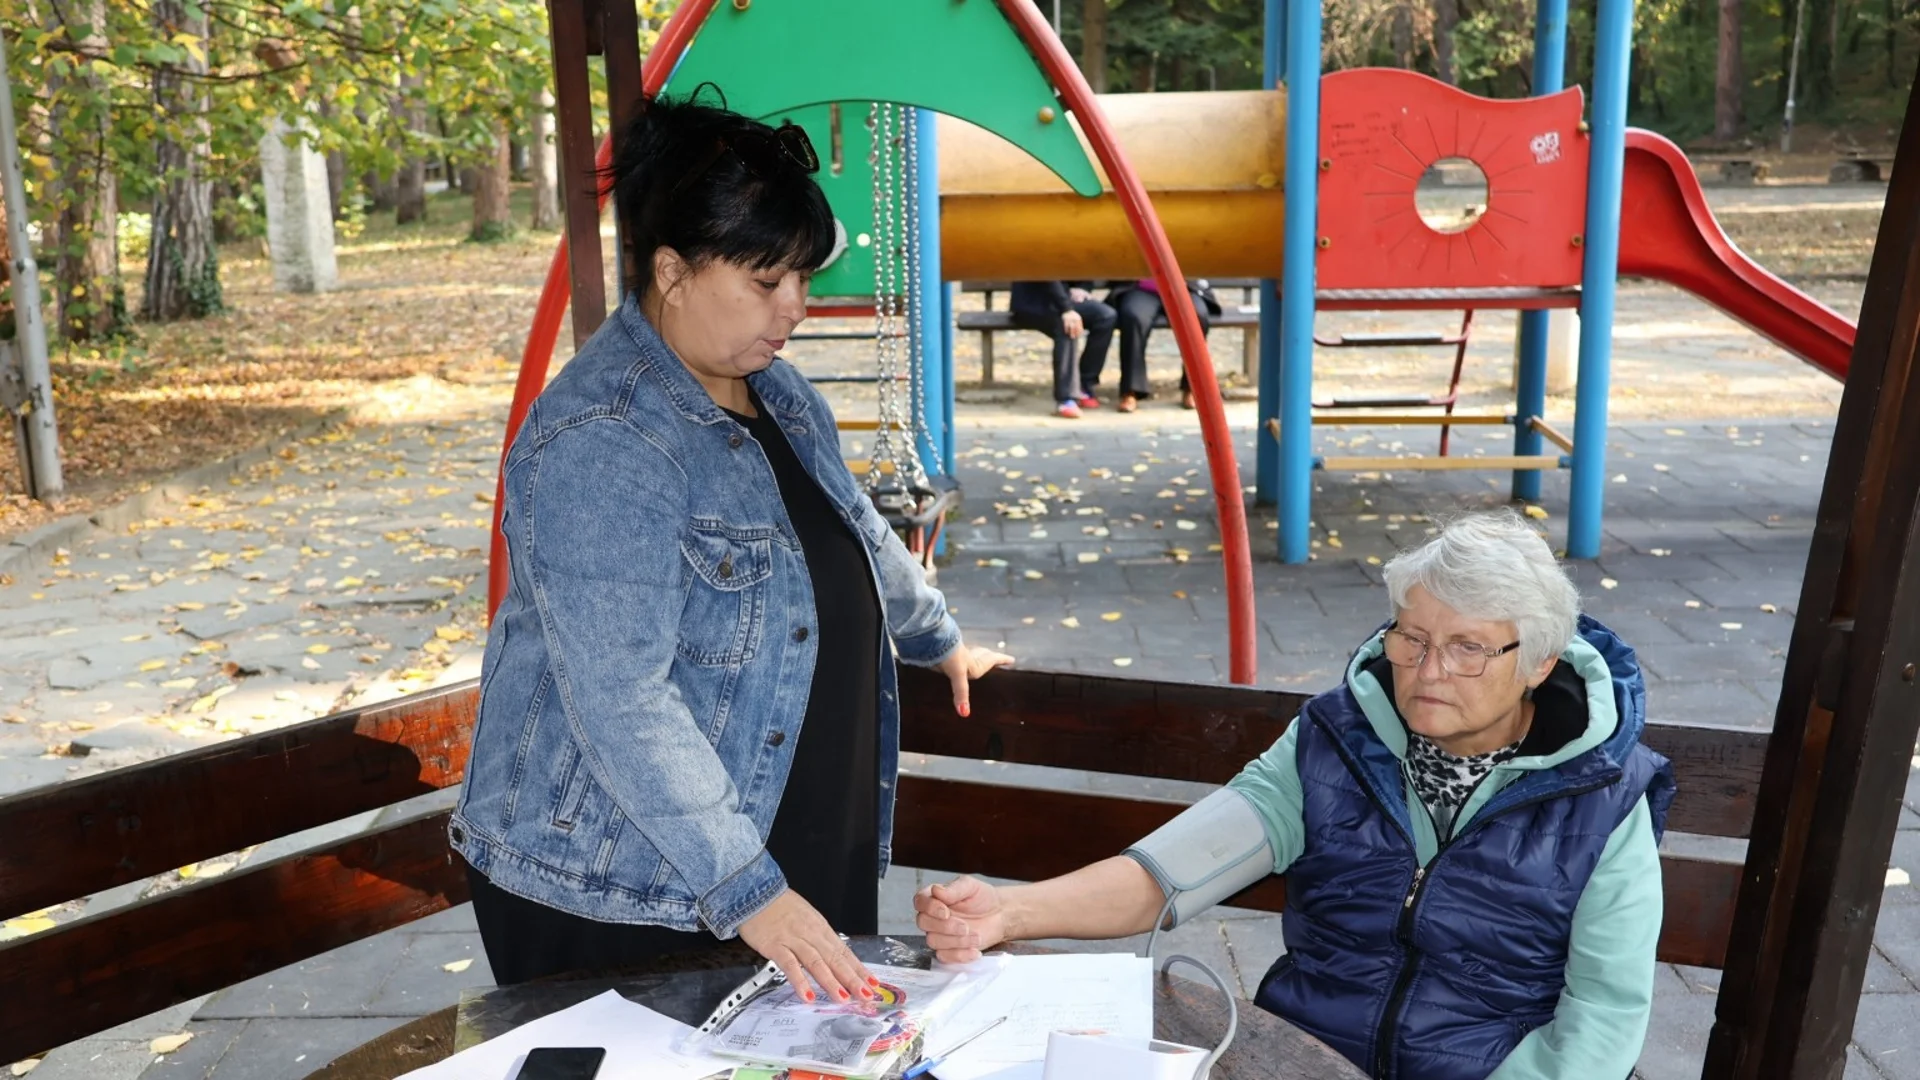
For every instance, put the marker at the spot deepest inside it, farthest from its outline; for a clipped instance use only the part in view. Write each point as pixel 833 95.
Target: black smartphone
pixel 562 1063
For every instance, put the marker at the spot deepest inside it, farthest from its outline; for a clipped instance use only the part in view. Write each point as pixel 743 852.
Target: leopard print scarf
pixel 1446 781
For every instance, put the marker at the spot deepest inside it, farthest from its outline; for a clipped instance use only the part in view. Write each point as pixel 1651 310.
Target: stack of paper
pixel 641 1045
pixel 1038 995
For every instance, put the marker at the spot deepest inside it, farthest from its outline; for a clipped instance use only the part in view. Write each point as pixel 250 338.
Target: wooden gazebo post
pixel 1843 738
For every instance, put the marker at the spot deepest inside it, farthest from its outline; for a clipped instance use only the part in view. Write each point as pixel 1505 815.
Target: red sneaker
pixel 1087 401
pixel 1068 411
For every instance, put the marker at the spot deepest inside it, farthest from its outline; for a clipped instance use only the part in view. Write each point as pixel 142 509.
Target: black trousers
pixel 1136 309
pixel 1072 380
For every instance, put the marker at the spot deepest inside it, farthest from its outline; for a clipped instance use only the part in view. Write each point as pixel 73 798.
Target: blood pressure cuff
pixel 1215 848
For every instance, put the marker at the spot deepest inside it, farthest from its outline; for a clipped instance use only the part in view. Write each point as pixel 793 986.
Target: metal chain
pixel 891 310
pixel 917 432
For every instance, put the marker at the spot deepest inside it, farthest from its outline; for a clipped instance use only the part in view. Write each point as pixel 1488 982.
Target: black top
pixel 826 834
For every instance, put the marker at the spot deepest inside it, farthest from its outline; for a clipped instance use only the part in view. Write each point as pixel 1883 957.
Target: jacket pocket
pixel 726 593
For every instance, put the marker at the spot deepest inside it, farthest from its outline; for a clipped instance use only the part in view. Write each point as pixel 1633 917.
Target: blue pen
pixel 926 1067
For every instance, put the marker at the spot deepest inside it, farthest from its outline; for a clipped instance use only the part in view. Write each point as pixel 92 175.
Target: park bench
pixel 84 837
pixel 1730 170
pixel 1860 167
pixel 1244 316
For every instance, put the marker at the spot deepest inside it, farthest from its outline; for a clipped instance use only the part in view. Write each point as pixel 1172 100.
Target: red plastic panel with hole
pixel 1381 128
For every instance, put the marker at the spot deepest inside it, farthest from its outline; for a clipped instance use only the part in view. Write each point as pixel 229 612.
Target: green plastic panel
pixel 789 59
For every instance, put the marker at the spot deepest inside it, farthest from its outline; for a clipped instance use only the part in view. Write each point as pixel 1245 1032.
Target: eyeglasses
pixel 1466 659
pixel 761 153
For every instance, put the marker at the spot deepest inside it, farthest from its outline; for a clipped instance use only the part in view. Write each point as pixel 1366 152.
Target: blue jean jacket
pixel 647 672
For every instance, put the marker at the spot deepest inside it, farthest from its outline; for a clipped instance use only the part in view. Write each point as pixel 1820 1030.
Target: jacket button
pixel 459 834
pixel 776 738
pixel 734 440
pixel 800 634
pixel 726 569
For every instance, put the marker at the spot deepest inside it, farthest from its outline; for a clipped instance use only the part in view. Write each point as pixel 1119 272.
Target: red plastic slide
pixel 1667 233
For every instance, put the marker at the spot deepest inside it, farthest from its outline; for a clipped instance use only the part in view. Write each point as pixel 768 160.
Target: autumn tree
pixel 183 274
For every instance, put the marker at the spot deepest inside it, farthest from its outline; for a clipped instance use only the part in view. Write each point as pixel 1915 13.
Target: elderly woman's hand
pixel 965 664
pixel 961 919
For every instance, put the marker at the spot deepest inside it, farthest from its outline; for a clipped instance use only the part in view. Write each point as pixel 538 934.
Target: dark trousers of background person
pixel 1136 309
pixel 1071 381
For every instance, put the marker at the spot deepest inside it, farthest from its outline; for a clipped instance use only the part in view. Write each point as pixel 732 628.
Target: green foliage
pixel 493 232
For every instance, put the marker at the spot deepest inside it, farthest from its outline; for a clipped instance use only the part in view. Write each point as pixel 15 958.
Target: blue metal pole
pixel 1530 389
pixel 1613 32
pixel 1297 275
pixel 1266 452
pixel 936 374
pixel 948 331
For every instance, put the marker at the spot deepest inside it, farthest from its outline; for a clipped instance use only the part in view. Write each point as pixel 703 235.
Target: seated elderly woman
pixel 1469 828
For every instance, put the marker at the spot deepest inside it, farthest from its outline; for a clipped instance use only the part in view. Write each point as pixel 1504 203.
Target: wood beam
pixel 567 22
pixel 1844 734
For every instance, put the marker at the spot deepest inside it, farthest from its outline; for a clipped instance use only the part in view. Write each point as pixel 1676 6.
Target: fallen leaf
pixel 177 684
pixel 1123 661
pixel 1179 594
pixel 1729 626
pixel 458 966
pixel 1033 575
pixel 153 665
pixel 1537 513
pixel 190 605
pixel 1609 583
pixel 1186 525
pixel 1693 603
pixel 207 702
pixel 1111 616
pixel 310 663
pixel 319 649
pixel 1660 553
pixel 1016 451
pixel 167 1044
pixel 348 583
pixel 26 924
pixel 1897 876
pixel 1088 557
pixel 1070 622
pixel 1028 621
pixel 22 1068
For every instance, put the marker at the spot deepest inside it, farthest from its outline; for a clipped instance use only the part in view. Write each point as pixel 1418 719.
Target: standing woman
pixel 689 726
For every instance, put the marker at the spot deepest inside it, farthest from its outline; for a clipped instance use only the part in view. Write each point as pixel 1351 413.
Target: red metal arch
pixel 1078 97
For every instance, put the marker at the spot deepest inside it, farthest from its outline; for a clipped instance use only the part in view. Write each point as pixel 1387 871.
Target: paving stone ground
pixel 348 568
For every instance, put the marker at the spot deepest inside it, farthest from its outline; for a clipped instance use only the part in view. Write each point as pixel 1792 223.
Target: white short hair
pixel 1494 566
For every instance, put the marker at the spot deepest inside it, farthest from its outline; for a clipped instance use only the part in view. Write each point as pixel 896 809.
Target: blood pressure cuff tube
pixel 1215 848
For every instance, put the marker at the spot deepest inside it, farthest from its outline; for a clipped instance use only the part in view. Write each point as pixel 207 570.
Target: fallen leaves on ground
pixel 167 1044
pixel 458 966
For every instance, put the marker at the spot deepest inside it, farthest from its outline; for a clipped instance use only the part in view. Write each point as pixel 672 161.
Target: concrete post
pixel 299 217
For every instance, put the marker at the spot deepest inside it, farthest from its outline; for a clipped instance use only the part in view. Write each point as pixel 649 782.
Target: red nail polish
pixel 965 711
pixel 806 995
pixel 840 995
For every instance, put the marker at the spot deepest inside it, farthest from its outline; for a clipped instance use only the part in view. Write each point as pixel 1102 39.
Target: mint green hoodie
pixel 1600 1021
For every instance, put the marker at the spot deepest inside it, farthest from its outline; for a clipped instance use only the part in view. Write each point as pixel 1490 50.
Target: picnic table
pixel 687 987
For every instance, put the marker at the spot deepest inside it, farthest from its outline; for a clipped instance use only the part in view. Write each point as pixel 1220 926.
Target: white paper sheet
pixel 1040 994
pixel 640 1045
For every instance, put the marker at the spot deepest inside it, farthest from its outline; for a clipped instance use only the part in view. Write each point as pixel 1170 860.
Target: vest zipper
pixel 1403 927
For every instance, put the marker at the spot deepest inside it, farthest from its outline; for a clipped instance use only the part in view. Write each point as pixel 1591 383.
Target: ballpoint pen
pixel 931 1064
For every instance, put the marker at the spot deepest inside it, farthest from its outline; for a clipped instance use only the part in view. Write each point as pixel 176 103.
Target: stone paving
pixel 348 568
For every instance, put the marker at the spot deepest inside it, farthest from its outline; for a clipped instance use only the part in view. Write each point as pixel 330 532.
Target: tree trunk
pixel 1403 36
pixel 183 275
pixel 379 190
pixel 86 267
pixel 1729 115
pixel 492 180
pixel 410 183
pixel 469 180
pixel 543 167
pixel 1817 67
pixel 1093 44
pixel 337 184
pixel 1446 15
pixel 8 331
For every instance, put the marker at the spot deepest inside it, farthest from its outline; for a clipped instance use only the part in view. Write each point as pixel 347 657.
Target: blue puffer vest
pixel 1437 973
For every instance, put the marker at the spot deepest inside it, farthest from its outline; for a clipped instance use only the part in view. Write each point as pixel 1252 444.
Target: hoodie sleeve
pixel 1601 1021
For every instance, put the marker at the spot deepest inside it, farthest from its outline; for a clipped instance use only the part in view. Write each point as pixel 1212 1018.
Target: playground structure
pixel 1794 945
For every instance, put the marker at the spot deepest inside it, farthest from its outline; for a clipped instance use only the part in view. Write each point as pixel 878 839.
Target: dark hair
pixel 701 179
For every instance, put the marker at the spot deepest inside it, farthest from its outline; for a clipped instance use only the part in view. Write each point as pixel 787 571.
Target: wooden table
pixel 687 987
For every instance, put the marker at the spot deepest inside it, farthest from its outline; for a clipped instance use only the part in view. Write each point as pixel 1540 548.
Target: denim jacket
pixel 647 672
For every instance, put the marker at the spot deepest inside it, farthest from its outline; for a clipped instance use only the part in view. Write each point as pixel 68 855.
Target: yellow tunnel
pixel 1211 162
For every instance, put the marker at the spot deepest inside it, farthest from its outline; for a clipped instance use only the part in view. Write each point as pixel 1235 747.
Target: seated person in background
pixel 1137 303
pixel 1064 312
pixel 1469 827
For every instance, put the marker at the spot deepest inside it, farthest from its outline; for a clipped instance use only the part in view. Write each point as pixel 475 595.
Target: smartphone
pixel 562 1063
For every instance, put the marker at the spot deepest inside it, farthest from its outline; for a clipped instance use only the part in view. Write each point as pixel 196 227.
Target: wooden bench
pixel 1244 316
pixel 1860 168
pixel 80 838
pixel 1728 170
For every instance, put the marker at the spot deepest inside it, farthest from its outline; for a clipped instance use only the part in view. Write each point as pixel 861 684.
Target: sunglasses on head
pixel 761 153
